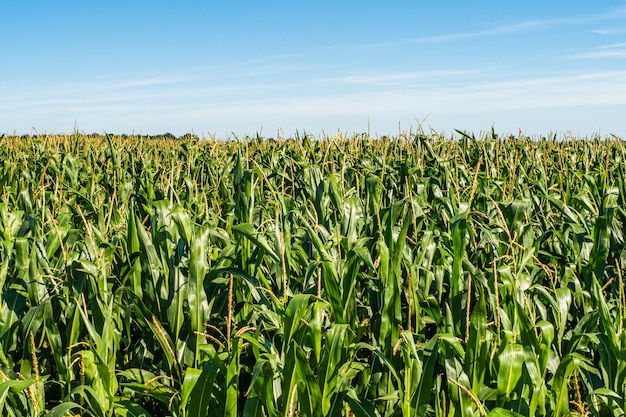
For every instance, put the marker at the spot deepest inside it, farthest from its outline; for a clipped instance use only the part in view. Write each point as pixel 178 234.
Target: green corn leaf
pixel 310 396
pixel 198 269
pixel 561 381
pixel 248 231
pixel 458 237
pixel 64 408
pixel 510 370
pixel 14 386
pixel 189 382
pixel 360 407
pixel 133 248
pixel 477 350
pixel 601 245
pixel 335 338
pixel 421 393
pixel 201 394
pixel 501 412
pixel 294 315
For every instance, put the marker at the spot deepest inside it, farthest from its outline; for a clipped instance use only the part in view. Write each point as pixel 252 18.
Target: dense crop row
pixel 347 276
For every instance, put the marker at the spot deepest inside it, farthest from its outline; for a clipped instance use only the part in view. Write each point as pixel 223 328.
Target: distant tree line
pixel 187 137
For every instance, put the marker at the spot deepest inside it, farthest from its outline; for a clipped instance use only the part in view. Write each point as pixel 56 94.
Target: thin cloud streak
pixel 178 89
pixel 393 78
pixel 498 30
pixel 122 84
pixel 580 90
pixel 89 93
pixel 607 53
pixel 614 45
pixel 572 90
pixel 608 31
pixel 523 26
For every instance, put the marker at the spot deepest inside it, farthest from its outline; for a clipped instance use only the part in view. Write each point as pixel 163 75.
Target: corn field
pixel 411 276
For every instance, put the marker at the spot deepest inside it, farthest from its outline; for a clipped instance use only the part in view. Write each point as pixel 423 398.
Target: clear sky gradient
pixel 243 67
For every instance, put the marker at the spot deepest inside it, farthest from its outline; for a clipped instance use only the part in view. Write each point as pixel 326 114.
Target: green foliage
pixel 339 277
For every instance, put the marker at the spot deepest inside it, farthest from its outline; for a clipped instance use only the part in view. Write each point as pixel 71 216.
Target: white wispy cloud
pixel 88 93
pixel 161 103
pixel 616 13
pixel 103 85
pixel 569 90
pixel 587 89
pixel 613 45
pixel 604 88
pixel 516 27
pixel 610 31
pixel 497 30
pixel 612 51
pixel 606 53
pixel 393 78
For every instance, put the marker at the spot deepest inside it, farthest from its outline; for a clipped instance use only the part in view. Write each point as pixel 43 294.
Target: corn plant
pixel 345 276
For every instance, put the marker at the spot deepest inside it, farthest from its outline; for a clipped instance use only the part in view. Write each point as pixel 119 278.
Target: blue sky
pixel 224 68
